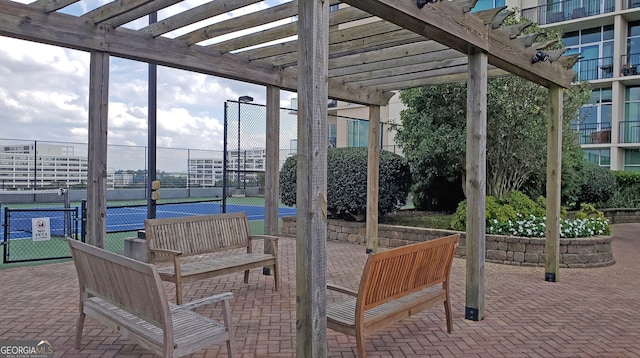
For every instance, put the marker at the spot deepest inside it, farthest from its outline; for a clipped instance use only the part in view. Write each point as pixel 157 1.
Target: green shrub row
pixel 347 182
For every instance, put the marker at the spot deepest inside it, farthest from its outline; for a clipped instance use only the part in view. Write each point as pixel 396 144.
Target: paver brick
pixel 588 313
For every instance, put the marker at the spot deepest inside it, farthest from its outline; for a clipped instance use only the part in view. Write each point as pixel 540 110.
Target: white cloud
pixel 44 93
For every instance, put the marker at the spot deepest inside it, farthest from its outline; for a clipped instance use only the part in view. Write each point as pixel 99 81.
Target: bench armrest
pixel 273 239
pixel 204 301
pixel 346 291
pixel 166 251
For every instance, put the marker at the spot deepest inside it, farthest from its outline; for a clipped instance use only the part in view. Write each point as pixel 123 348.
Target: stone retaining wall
pixel 621 216
pixel 584 252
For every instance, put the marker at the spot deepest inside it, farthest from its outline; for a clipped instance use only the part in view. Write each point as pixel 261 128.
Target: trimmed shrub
pixel 598 187
pixel 347 182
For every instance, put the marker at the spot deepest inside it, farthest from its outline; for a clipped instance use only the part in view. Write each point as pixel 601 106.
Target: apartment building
pixel 244 168
pixel 606 33
pixel 205 172
pixel 41 165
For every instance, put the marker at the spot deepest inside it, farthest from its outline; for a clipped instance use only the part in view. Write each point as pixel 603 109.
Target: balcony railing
pixel 630 4
pixel 630 64
pixel 568 10
pixel 629 132
pixel 594 69
pixel 593 133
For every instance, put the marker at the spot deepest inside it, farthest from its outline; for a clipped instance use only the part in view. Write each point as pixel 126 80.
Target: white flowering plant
pixel 532 226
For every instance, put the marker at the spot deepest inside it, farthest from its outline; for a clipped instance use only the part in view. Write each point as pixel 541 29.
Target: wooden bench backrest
pixel 194 235
pixel 401 271
pixel 132 285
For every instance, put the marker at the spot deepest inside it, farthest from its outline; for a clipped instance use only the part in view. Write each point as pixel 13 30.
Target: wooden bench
pixel 175 239
pixel 128 296
pixel 395 284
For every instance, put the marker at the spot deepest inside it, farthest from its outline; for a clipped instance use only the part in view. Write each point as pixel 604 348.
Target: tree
pixel 433 133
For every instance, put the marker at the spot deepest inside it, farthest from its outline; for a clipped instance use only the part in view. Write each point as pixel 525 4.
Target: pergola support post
pixel 476 169
pixel 311 189
pixel 554 167
pixel 373 179
pixel 272 179
pixel 97 149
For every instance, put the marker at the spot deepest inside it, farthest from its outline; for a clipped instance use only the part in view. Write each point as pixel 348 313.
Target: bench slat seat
pixel 395 284
pixel 189 242
pixel 190 271
pixel 190 329
pixel 344 313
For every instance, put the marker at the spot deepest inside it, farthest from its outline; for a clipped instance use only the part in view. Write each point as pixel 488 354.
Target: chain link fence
pixel 32 172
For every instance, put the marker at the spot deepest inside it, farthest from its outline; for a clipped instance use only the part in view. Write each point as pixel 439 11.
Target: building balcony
pixel 600 133
pixel 631 4
pixel 629 132
pixel 569 10
pixel 629 64
pixel 594 69
pixel 593 133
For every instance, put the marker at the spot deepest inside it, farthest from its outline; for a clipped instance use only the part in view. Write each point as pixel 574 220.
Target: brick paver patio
pixel 589 313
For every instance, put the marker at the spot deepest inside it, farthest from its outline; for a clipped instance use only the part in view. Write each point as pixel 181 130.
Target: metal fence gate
pixel 38 234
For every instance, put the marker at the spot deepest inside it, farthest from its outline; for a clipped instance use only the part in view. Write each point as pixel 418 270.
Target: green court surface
pixel 57 247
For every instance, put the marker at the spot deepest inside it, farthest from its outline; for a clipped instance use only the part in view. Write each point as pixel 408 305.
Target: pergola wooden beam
pixel 338 17
pixel 52 5
pixel 113 9
pixel 193 15
pixel 449 25
pixel 140 11
pixel 21 21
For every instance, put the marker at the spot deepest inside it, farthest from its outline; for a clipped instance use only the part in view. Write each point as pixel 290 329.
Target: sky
pixel 44 96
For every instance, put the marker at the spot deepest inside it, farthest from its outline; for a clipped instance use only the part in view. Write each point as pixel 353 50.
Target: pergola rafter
pixel 358 54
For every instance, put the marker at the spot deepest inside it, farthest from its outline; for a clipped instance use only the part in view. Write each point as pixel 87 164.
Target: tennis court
pixel 122 221
pixel 132 218
pixel 123 218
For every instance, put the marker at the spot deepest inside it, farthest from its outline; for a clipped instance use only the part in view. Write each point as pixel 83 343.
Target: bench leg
pixel 447 312
pixel 79 327
pixel 362 353
pixel 276 277
pixel 178 291
pixel 246 276
pixel 226 311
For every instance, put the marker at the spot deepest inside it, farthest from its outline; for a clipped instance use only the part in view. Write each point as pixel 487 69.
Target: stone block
pixel 531 257
pixel 497 255
pixel 510 255
pixel 491 245
pixel 570 259
pixel 534 248
pixel 518 256
pixel 516 247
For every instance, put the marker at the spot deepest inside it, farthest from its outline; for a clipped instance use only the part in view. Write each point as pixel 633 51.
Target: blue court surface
pixel 128 218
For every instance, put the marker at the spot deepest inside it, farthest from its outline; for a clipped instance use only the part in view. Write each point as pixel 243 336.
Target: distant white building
pixel 243 168
pixel 41 166
pixel 205 172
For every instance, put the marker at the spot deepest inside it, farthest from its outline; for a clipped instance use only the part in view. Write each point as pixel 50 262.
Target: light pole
pixel 240 100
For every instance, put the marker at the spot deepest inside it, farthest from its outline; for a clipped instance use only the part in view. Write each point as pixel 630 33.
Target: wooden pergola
pixel 358 54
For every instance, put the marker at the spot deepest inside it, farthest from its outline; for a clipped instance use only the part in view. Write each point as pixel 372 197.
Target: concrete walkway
pixel 589 313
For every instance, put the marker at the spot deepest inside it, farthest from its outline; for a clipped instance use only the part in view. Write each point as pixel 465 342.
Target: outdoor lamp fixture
pixel 422 3
pixel 240 100
pixel 540 56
